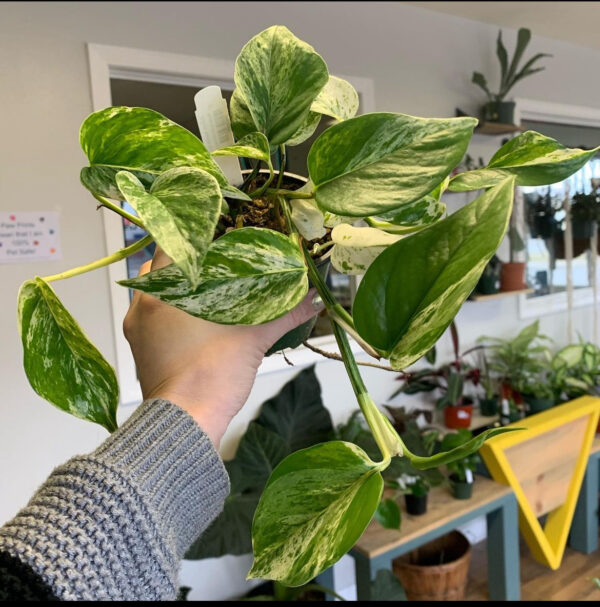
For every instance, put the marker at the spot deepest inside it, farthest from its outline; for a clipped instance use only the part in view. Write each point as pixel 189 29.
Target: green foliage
pixel 243 256
pixel 510 73
pixel 585 207
pixel 459 467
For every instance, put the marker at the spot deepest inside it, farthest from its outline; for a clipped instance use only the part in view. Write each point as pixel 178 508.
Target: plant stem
pixel 251 176
pixel 290 193
pixel 265 185
pixel 105 202
pixel 105 261
pixel 281 166
pixel 334 356
pixel 322 247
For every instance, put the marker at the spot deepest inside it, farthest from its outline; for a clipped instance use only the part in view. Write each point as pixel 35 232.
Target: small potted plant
pixel 458 408
pixel 461 470
pixel 510 411
pixel 585 212
pixel 415 489
pixel 512 275
pixel 488 404
pixel 489 283
pixel 538 394
pixel 496 109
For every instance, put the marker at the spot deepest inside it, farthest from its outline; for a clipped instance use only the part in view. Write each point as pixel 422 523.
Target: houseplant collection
pixel 497 109
pixel 244 254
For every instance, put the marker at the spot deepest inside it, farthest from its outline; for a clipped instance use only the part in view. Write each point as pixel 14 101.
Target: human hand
pixel 205 368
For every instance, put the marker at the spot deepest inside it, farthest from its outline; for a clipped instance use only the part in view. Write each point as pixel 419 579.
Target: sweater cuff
pixel 164 452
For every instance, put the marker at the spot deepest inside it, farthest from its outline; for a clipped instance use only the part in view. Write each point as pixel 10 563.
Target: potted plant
pixel 540 213
pixel 585 212
pixel 461 470
pixel 512 275
pixel 415 489
pixel 457 407
pixel 488 404
pixel 489 283
pixel 510 410
pixel 538 394
pixel 243 253
pixel 496 109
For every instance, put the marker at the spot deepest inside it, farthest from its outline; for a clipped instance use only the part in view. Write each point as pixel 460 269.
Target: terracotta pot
pixel 512 276
pixel 424 578
pixel 458 416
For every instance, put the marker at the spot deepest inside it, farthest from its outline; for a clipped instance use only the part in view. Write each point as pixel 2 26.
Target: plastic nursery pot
pixel 458 416
pixel 499 111
pixel 416 504
pixel 512 276
pixel 488 406
pixel 461 490
pixel 295 337
pixel 437 571
pixel 488 285
pixel 535 405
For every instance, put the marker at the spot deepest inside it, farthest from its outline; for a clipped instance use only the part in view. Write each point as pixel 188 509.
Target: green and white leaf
pixel 356 248
pixel 413 290
pixel 140 141
pixel 533 158
pixel 253 145
pixel 388 514
pixel 338 99
pixel 249 276
pixel 410 218
pixel 60 362
pixel 330 220
pixel 306 129
pixel 279 76
pixel 300 529
pixel 180 212
pixel 242 123
pixel 306 215
pixel 375 163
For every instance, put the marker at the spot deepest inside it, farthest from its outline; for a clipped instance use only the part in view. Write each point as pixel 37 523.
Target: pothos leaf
pixel 379 162
pixel 61 363
pixel 180 211
pixel 299 530
pixel 305 130
pixel 249 276
pixel 388 514
pixel 307 216
pixel 253 145
pixel 242 123
pixel 357 247
pixel 413 290
pixel 279 76
pixel 338 99
pixel 532 158
pixel 140 141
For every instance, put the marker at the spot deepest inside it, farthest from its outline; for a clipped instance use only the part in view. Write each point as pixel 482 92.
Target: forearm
pixel 115 524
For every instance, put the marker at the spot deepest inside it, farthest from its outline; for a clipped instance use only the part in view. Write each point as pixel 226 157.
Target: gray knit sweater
pixel 114 524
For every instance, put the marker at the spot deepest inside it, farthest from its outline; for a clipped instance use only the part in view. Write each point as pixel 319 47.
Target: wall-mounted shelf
pixel 499 294
pixel 496 128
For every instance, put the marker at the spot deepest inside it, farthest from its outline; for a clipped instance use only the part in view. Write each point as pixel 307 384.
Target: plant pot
pixel 461 490
pixel 488 285
pixel 535 405
pixel 582 228
pixel 295 337
pixel 488 406
pixel 458 416
pixel 580 245
pixel 415 504
pixel 544 226
pixel 512 276
pixel 424 578
pixel 499 111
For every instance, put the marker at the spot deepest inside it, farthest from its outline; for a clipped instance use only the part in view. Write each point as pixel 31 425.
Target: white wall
pixel 421 64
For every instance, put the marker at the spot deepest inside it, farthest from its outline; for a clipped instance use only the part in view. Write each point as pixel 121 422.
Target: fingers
pixel 310 306
pixel 160 259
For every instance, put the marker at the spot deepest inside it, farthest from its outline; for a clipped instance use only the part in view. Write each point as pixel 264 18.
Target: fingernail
pixel 317 303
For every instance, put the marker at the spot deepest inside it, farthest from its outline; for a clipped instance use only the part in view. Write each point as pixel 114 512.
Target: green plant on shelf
pixel 464 468
pixel 245 255
pixel 585 207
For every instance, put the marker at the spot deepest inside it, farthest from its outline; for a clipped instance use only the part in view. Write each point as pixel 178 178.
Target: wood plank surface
pixel 441 508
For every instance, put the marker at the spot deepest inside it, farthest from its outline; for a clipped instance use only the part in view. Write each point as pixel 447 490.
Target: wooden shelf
pixel 499 294
pixel 496 128
pixel 477 421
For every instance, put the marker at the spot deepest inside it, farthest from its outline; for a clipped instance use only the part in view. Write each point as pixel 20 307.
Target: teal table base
pixel 584 528
pixel 504 582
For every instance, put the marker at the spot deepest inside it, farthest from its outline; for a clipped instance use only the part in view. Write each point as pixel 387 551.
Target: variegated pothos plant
pixel 383 170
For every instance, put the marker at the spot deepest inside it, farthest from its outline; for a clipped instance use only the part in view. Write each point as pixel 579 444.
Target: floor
pixel 571 582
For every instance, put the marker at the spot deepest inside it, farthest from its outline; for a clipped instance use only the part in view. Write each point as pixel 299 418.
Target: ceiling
pixel 575 22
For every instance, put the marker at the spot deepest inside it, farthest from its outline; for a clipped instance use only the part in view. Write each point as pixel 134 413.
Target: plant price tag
pixel 29 236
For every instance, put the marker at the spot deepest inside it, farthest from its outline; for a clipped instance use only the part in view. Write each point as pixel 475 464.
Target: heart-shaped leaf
pixel 180 212
pixel 249 276
pixel 413 290
pixel 356 248
pixel 533 158
pixel 411 217
pixel 242 123
pixel 299 530
pixel 61 363
pixel 338 99
pixel 306 215
pixel 305 130
pixel 378 162
pixel 252 145
pixel 388 514
pixel 279 77
pixel 140 141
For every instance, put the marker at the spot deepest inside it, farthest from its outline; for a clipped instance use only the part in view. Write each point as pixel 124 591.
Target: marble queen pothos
pixel 245 256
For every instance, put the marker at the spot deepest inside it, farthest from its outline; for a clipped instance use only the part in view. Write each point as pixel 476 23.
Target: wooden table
pixel 584 528
pixel 377 547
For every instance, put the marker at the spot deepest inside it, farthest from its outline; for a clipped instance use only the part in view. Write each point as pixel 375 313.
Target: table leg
pixel 327 580
pixel 366 571
pixel 504 582
pixel 584 528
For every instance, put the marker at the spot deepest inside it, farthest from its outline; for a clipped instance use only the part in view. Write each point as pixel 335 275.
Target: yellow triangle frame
pixel 547 544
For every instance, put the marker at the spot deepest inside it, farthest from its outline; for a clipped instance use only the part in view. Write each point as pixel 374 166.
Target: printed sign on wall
pixel 29 236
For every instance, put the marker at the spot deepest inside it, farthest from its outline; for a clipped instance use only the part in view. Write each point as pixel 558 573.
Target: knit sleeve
pixel 114 525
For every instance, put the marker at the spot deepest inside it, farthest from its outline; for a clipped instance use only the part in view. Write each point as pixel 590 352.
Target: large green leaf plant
pixel 384 168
